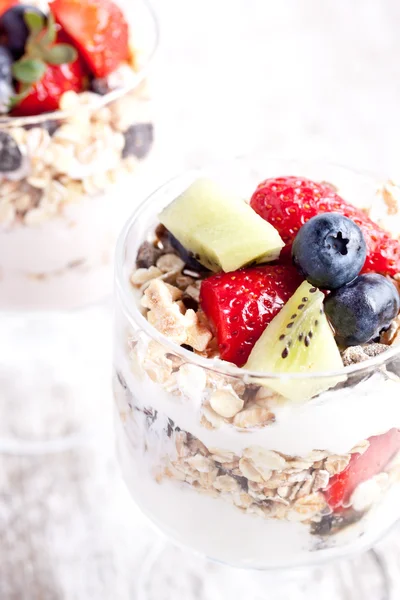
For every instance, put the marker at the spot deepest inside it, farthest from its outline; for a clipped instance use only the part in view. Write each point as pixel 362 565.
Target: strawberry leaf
pixel 34 21
pixel 29 70
pixel 59 54
pixel 17 98
pixel 49 36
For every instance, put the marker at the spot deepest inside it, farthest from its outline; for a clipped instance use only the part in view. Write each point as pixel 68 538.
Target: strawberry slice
pixel 242 303
pixel 6 4
pixel 99 31
pixel 362 467
pixel 288 202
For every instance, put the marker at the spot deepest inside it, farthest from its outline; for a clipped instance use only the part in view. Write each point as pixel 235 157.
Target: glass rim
pixel 124 291
pixel 104 100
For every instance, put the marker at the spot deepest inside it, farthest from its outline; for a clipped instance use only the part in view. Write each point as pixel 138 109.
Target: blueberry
pixel 14 29
pixel 138 140
pixel 190 261
pixel 362 309
pixel 6 61
pixel 329 250
pixel 10 154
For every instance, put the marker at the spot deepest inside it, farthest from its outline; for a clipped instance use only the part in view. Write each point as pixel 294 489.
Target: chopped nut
pixel 226 403
pixel 163 313
pixel 170 263
pixel 392 335
pixel 142 275
pixel 357 354
pixel 193 292
pixel 198 335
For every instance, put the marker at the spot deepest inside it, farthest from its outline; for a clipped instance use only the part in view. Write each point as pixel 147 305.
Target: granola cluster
pixel 78 156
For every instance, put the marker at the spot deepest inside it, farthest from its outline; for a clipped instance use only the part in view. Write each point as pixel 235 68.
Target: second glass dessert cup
pixel 219 461
pixel 73 181
pixel 64 190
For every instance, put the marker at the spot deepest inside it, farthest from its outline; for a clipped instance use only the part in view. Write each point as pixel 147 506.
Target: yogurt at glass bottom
pixel 204 486
pixel 213 528
pixel 65 261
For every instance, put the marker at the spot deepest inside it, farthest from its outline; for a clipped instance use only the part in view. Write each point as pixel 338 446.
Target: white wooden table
pixel 294 78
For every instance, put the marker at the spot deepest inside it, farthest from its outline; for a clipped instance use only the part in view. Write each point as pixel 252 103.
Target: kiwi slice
pixel 298 340
pixel 220 230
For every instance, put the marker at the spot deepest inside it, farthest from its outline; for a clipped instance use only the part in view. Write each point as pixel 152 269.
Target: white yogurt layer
pixel 335 421
pixel 63 262
pixel 218 530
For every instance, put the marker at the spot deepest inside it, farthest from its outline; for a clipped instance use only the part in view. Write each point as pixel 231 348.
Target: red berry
pixel 382 448
pixel 99 31
pixel 44 96
pixel 288 202
pixel 242 303
pixel 6 4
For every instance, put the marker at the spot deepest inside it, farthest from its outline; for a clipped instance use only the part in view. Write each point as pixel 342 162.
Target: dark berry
pixel 100 86
pixel 329 250
pixel 147 255
pixel 10 154
pixel 190 260
pixel 138 140
pixel 13 29
pixel 6 61
pixel 50 126
pixel 359 311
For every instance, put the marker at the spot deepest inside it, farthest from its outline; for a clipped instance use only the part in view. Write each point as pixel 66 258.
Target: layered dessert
pixel 257 367
pixel 75 124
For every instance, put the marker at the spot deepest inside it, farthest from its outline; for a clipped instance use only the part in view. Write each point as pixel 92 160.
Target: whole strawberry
pixel 289 202
pixel 98 29
pixel 240 305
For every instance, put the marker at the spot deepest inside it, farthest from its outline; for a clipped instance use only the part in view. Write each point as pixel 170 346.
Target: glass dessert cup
pixel 63 206
pixel 219 461
pixel 60 213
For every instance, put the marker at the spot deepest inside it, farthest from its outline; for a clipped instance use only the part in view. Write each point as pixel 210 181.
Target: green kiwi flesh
pixel 298 340
pixel 222 231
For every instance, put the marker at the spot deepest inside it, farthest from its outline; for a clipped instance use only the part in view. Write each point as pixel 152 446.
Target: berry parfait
pixel 75 125
pixel 76 129
pixel 257 361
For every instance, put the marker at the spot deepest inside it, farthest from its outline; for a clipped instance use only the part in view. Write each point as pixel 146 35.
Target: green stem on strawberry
pixel 41 50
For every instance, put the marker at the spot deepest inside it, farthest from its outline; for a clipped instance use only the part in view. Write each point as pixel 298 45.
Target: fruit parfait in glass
pixel 257 361
pixel 75 124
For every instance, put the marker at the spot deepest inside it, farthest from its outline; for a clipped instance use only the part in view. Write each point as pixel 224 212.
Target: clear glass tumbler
pixel 60 213
pixel 62 208
pixel 279 484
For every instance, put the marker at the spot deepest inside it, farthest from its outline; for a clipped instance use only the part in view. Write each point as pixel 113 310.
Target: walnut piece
pixel 166 316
